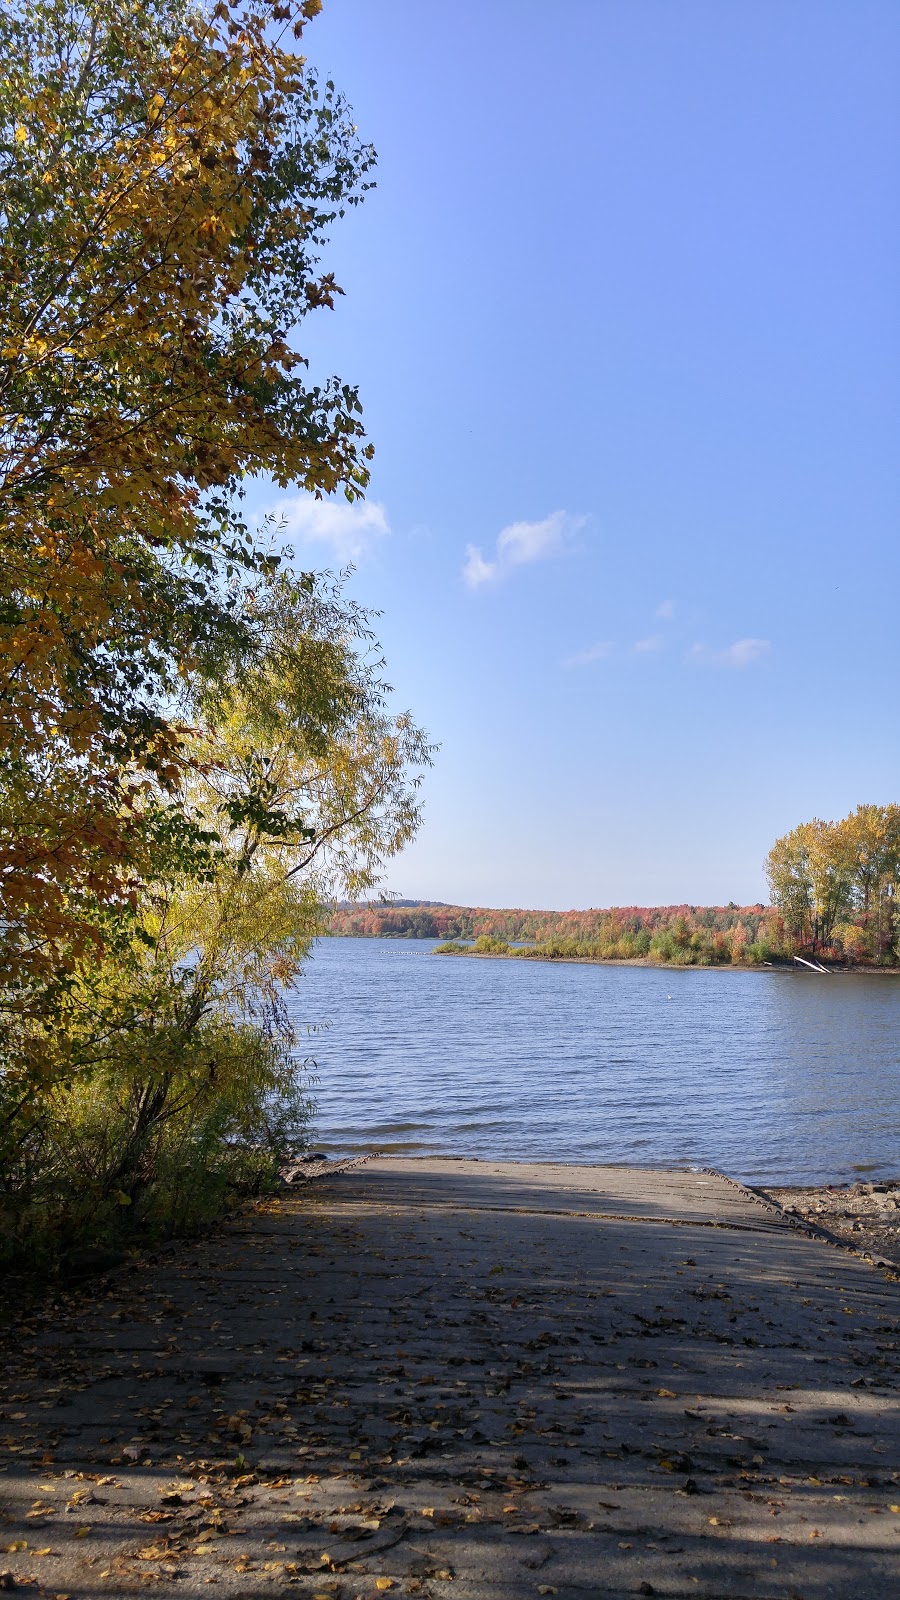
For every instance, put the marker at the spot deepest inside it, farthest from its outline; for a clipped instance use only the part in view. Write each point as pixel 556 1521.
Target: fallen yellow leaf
pixel 82 1533
pixel 384 1583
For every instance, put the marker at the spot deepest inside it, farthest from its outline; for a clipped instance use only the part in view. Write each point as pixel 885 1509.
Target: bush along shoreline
pixel 677 948
pixel 673 948
pixel 163 1079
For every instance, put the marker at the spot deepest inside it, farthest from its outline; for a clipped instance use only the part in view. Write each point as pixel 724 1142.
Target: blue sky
pixel 624 314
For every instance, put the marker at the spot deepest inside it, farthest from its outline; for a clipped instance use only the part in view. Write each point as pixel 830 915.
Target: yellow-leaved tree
pixel 168 174
pixel 839 881
pixel 166 1071
pixel 195 750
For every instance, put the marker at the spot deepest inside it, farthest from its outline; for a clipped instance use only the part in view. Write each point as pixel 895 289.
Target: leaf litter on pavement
pixel 340 1395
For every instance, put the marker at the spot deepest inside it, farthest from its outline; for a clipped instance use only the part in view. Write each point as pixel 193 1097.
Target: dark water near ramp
pixel 774 1077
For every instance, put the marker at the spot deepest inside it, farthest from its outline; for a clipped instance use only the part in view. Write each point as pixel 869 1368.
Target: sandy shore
pixel 470 1380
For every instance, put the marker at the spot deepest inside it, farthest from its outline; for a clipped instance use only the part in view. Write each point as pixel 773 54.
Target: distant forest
pixel 685 935
pixel 835 890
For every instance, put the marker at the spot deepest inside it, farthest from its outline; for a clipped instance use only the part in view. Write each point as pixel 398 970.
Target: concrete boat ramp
pixel 464 1379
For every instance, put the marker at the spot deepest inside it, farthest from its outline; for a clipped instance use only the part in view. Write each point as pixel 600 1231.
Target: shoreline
pixel 863 1216
pixel 664 966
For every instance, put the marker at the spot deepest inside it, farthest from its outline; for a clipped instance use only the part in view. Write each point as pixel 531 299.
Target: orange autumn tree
pixel 167 178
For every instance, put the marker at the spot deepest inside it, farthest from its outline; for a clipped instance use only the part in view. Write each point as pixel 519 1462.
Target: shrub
pixel 119 1154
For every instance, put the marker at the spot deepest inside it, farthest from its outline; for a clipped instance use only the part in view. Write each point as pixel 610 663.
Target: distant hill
pixel 354 905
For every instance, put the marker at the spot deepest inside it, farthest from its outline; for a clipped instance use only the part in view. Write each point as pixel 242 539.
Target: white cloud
pixel 584 658
pixel 518 544
pixel 476 569
pixel 666 609
pixel 351 531
pixel 531 541
pixel 743 651
pixel 647 646
pixel 740 654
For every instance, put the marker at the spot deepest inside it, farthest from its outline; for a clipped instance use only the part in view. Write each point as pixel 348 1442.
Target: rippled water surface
pixel 770 1076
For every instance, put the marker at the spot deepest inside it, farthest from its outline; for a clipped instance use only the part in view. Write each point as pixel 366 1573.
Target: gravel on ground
pixel 864 1215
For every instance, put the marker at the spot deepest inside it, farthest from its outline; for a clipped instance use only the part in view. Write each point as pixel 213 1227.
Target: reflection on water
pixel 770 1076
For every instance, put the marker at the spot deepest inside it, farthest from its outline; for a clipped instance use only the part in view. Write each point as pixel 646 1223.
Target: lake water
pixel 773 1077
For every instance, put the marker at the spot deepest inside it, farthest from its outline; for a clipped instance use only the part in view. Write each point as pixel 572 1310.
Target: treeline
pixel 835 895
pixel 195 748
pixel 687 935
pixel 837 884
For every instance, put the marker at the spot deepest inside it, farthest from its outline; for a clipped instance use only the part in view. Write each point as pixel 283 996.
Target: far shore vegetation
pixel 835 898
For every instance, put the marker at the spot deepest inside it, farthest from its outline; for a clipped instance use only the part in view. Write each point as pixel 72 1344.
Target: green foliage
pixel 679 944
pixel 163 1129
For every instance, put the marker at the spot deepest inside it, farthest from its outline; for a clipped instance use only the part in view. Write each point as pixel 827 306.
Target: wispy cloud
pixel 476 570
pixel 740 654
pixel 350 531
pixel 647 646
pixel 518 544
pixel 595 652
pixel 666 609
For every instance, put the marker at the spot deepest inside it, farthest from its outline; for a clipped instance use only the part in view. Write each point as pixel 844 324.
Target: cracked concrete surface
pixel 465 1379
